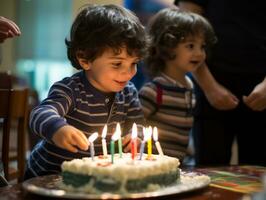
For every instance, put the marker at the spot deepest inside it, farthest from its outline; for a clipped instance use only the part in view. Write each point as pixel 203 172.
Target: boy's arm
pixel 48 117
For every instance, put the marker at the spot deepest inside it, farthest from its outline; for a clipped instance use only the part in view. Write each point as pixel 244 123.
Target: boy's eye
pixel 116 65
pixel 190 46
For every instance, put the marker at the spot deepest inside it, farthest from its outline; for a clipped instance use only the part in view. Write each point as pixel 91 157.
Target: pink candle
pixel 134 141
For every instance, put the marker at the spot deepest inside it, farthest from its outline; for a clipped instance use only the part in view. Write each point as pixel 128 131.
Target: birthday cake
pixel 124 175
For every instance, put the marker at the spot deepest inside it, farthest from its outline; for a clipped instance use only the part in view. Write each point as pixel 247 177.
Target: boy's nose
pixel 200 53
pixel 129 73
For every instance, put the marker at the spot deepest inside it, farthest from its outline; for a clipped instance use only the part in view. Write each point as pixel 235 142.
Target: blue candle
pixel 91 139
pixel 142 145
pixel 141 150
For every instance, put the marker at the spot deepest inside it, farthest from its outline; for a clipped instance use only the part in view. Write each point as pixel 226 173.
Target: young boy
pixel 106 42
pixel 178 46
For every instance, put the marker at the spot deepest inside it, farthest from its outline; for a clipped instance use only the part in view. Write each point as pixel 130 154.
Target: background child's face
pixel 110 72
pixel 190 54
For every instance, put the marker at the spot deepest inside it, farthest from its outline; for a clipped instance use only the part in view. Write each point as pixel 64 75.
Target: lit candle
pixel 115 137
pixel 134 141
pixel 142 145
pixel 118 130
pixel 91 140
pixel 149 146
pixel 104 133
pixel 157 144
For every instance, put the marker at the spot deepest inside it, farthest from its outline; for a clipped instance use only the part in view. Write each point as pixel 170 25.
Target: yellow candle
pixel 149 145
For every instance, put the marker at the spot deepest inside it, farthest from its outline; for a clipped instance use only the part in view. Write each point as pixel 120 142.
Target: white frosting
pixel 123 168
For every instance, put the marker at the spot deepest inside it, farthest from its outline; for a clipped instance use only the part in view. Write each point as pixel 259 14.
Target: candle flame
pixel 155 134
pixel 93 137
pixel 150 132
pixel 104 133
pixel 117 133
pixel 146 135
pixel 134 131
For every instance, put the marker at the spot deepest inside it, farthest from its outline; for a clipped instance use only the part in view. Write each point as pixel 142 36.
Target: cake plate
pixel 49 186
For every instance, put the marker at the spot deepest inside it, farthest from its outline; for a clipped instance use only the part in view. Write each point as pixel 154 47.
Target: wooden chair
pixel 14 107
pixel 5 80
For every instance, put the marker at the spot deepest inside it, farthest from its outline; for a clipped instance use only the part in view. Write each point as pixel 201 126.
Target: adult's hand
pixel 8 29
pixel 221 98
pixel 218 96
pixel 256 100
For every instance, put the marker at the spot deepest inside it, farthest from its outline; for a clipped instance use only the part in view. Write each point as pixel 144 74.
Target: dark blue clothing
pixel 238 62
pixel 74 101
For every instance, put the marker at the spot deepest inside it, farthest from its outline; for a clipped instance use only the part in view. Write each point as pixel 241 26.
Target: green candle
pixel 120 147
pixel 112 150
pixel 115 136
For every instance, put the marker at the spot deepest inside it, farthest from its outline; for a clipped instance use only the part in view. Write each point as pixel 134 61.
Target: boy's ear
pixel 84 63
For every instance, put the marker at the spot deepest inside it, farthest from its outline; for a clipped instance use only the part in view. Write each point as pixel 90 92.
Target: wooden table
pixel 16 192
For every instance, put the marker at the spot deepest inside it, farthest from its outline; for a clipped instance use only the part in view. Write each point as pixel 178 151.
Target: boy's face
pixel 190 54
pixel 110 72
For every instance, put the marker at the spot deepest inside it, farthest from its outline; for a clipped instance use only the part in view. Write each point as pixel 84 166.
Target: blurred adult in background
pixel 234 99
pixel 8 29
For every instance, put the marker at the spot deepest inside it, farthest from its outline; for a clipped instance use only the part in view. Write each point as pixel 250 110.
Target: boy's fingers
pixel 79 141
pixel 138 142
pixel 126 139
pixel 127 148
pixel 70 148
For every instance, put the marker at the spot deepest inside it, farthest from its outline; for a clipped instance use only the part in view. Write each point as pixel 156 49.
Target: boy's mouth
pixel 121 83
pixel 195 62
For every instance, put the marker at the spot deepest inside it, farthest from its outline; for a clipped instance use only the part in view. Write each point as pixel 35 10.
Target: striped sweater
pixel 172 116
pixel 74 101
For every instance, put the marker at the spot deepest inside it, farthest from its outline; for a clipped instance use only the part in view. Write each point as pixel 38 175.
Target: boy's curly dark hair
pixel 98 27
pixel 169 27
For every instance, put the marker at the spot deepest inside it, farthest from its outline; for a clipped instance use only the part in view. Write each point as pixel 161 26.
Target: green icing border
pixel 107 184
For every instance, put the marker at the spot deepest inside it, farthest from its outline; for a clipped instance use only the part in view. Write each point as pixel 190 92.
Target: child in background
pixel 178 46
pixel 106 43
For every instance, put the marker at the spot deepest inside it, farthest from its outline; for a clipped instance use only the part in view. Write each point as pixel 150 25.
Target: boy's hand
pixel 126 142
pixel 69 138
